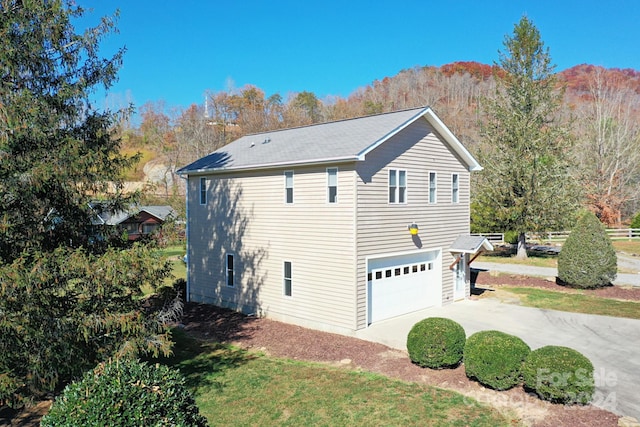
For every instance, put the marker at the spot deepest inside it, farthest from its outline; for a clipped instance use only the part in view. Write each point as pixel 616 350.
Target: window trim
pixel 397 187
pixel 329 186
pixel 203 191
pixel 231 276
pixel 288 294
pixel 286 187
pixel 433 200
pixel 455 188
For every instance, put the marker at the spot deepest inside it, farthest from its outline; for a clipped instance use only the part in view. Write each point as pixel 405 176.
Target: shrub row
pixel 126 393
pixel 501 361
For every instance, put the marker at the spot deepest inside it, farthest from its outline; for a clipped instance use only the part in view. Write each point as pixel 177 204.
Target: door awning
pixel 467 244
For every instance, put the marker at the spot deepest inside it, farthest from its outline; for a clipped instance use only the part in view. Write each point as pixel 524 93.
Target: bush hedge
pixel 436 343
pixel 636 221
pixel 559 374
pixel 126 393
pixel 587 258
pixel 495 359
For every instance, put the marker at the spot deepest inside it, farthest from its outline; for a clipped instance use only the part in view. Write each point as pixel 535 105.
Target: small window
pixel 369 276
pixel 288 184
pixel 149 228
pixel 406 270
pixel 287 278
pixel 397 186
pixel 230 271
pixel 414 268
pixel 432 187
pixel 454 188
pixel 397 272
pixel 430 265
pixel 387 273
pixel 203 191
pixel 378 275
pixel 332 185
pixel 422 267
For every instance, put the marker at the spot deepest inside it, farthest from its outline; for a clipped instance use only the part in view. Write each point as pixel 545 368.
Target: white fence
pixel 559 236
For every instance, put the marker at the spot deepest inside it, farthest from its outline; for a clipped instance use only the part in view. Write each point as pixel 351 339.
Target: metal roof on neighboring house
pixel 333 142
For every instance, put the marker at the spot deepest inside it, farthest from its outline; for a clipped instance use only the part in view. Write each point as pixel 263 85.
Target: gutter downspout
pixel 187 297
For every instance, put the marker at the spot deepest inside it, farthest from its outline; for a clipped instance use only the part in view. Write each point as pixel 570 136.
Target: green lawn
pixel 233 387
pixel 576 302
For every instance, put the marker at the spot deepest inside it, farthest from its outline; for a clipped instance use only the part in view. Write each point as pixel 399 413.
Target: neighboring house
pixel 311 225
pixel 137 221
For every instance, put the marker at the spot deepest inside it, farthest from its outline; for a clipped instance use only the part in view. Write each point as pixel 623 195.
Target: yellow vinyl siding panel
pixel 314 235
pixel 382 227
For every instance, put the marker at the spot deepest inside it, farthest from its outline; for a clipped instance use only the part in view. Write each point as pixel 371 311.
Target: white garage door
pixel 404 283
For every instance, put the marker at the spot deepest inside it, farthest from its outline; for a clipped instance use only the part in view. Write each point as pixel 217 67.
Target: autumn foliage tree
pixel 69 294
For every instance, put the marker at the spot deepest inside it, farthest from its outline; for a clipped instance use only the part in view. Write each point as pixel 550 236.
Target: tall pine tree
pixel 56 151
pixel 526 184
pixel 67 300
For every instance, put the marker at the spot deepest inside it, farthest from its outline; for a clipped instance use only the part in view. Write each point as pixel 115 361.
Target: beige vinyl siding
pixel 382 227
pixel 246 214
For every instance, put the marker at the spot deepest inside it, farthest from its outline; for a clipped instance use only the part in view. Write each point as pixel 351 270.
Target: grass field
pixel 576 302
pixel 233 387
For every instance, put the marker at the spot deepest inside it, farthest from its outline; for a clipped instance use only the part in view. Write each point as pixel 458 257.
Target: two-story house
pixel 333 226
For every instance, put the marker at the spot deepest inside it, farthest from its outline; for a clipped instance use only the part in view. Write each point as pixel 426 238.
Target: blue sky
pixel 179 50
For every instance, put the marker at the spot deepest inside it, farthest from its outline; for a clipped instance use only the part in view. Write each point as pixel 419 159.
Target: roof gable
pixel 333 142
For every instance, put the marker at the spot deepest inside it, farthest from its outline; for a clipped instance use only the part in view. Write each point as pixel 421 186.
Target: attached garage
pixel 401 284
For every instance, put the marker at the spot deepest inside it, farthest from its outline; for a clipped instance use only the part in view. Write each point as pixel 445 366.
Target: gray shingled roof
pixel 161 212
pixel 467 244
pixel 345 140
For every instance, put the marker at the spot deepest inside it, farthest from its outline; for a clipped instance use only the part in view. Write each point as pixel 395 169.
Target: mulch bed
pixel 627 293
pixel 289 341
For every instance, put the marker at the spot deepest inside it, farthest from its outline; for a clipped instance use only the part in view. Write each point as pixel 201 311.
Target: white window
pixel 288 184
pixel 397 186
pixel 454 188
pixel 230 271
pixel 203 191
pixel 433 187
pixel 287 278
pixel 332 185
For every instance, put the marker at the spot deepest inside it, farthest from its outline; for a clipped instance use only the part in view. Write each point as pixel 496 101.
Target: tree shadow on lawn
pixel 203 349
pixel 203 362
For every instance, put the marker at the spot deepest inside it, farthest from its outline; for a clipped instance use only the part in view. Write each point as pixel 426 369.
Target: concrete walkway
pixel 612 344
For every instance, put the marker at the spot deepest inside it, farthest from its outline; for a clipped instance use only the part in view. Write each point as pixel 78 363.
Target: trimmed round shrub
pixel 495 359
pixel 126 393
pixel 559 374
pixel 587 259
pixel 436 343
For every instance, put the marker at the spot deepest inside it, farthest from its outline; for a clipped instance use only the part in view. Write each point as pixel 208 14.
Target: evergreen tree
pixel 525 185
pixel 67 300
pixel 588 258
pixel 56 151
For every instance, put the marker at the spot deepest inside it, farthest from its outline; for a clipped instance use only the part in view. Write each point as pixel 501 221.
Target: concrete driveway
pixel 612 344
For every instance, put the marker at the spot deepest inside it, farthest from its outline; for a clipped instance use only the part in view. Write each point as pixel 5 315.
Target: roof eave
pixel 266 166
pixel 441 128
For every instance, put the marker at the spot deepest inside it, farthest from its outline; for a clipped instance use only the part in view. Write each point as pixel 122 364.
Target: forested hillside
pixel 601 106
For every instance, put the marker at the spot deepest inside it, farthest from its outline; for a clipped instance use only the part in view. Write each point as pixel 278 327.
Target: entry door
pixel 460 277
